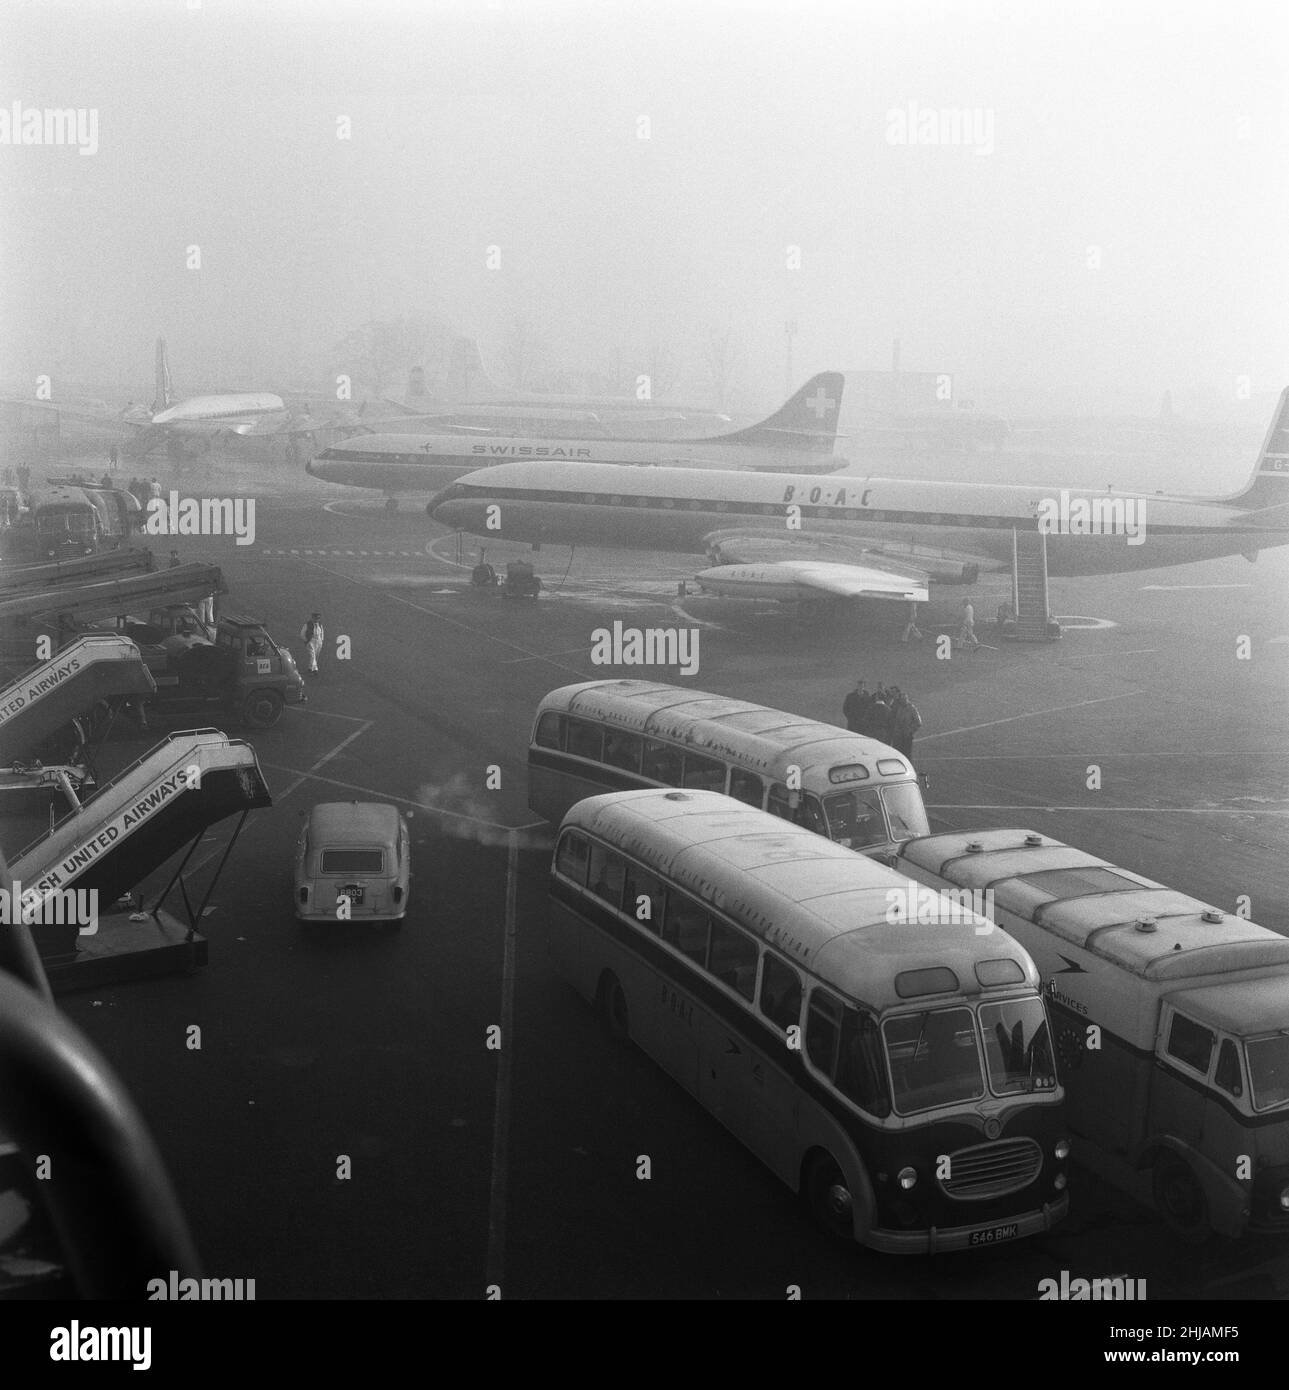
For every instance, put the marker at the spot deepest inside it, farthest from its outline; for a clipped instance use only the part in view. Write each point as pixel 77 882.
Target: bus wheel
pixel 613 1009
pixel 1180 1199
pixel 829 1199
pixel 263 708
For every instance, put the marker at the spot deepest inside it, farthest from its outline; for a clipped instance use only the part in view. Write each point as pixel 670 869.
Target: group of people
pixel 885 713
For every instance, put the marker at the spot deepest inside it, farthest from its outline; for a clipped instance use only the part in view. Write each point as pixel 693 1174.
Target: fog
pixel 615 185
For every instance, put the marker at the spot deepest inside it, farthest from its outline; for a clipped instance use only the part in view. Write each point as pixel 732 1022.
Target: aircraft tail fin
pixel 1269 485
pixel 807 421
pixel 165 396
pixel 468 379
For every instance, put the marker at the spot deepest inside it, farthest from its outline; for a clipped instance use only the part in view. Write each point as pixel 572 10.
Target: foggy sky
pixel 1158 133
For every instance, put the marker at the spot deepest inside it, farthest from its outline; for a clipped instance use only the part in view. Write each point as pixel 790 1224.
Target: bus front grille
pixel 992 1170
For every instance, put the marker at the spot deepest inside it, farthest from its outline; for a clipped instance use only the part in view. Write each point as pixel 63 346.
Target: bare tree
pixel 722 353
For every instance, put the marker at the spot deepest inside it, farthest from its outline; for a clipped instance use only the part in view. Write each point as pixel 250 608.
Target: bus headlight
pixel 1059 1184
pixel 1062 1149
pixel 907 1178
pixel 1284 1199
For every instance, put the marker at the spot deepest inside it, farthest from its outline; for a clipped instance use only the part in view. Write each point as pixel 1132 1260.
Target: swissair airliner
pixel 897 535
pixel 799 435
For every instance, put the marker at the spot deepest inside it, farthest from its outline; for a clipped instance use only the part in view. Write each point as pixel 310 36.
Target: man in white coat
pixel 311 635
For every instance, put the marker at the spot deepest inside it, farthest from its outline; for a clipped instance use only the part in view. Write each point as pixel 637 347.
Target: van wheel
pixel 1180 1199
pixel 829 1198
pixel 262 709
pixel 613 1010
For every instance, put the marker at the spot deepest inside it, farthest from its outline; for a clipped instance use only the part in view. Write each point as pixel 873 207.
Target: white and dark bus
pixel 622 735
pixel 898 1075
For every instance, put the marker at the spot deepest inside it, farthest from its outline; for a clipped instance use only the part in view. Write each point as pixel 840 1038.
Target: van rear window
pixel 353 861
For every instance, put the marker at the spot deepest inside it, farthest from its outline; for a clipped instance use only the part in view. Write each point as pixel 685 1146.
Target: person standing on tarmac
pixel 967 632
pixel 854 708
pixel 879 719
pixel 311 634
pixel 905 722
pixel 911 627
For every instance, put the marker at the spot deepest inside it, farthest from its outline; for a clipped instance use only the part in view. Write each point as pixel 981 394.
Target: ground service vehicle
pixel 612 735
pixel 66 521
pixel 898 1075
pixel 236 665
pixel 352 863
pixel 1172 1022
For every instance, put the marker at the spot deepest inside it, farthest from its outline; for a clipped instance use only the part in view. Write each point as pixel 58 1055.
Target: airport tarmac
pixel 517 1167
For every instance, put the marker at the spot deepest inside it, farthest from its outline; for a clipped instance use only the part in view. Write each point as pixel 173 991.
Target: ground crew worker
pixel 905 722
pixel 206 610
pixel 879 719
pixel 911 627
pixel 967 632
pixel 311 635
pixel 854 708
pixel 112 457
pixel 154 488
pixel 174 560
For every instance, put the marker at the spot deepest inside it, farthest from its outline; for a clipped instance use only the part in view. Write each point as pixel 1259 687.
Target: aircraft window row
pixel 710 943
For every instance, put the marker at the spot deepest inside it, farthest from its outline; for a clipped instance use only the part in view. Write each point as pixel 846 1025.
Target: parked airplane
pixel 800 435
pixel 176 423
pixel 916 531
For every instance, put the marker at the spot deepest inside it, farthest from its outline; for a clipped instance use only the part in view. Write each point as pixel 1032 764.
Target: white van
pixel 352 863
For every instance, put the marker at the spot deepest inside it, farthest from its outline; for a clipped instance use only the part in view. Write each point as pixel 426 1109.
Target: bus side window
pixel 1190 1043
pixel 547 733
pixel 661 763
pixel 746 787
pixel 1227 1075
pixel 733 959
pixel 822 1031
pixel 584 739
pixel 703 774
pixel 607 874
pixel 780 993
pixel 811 815
pixel 685 927
pixel 643 895
pixel 622 750
pixel 778 804
pixel 571 857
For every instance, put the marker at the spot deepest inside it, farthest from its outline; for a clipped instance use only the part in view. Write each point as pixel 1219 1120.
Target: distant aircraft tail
pixel 1269 486
pixel 165 397
pixel 467 378
pixel 806 421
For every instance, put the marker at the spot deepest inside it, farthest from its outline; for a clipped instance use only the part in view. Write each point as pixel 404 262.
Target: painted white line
pixel 681 612
pixel 519 660
pixel 495 1265
pixel 1161 588
pixel 406 801
pixel 327 757
pixel 1029 714
pixel 1101 656
pixel 325 714
pixel 442 617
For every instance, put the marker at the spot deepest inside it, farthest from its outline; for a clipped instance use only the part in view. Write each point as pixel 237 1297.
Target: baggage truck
pixel 1172 1023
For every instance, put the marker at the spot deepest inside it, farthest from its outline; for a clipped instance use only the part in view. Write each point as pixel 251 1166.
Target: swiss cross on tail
pixel 805 423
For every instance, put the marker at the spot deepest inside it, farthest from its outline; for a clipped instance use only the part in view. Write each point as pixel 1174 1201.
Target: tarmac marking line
pixel 1136 810
pixel 1028 714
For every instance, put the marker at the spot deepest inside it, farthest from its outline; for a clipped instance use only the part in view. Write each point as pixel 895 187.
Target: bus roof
pixel 354 822
pixel 766 740
pixel 820 903
pixel 1093 904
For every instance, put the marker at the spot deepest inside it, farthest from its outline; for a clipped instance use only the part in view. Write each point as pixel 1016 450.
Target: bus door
pixel 726 1062
pixel 772 1117
pixel 1185 1051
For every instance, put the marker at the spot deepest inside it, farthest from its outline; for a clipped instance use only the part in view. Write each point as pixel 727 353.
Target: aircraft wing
pixel 787 580
pixel 909 564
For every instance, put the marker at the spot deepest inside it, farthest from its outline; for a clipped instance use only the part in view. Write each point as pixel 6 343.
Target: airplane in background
pixel 866 537
pixel 799 435
pixel 178 424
